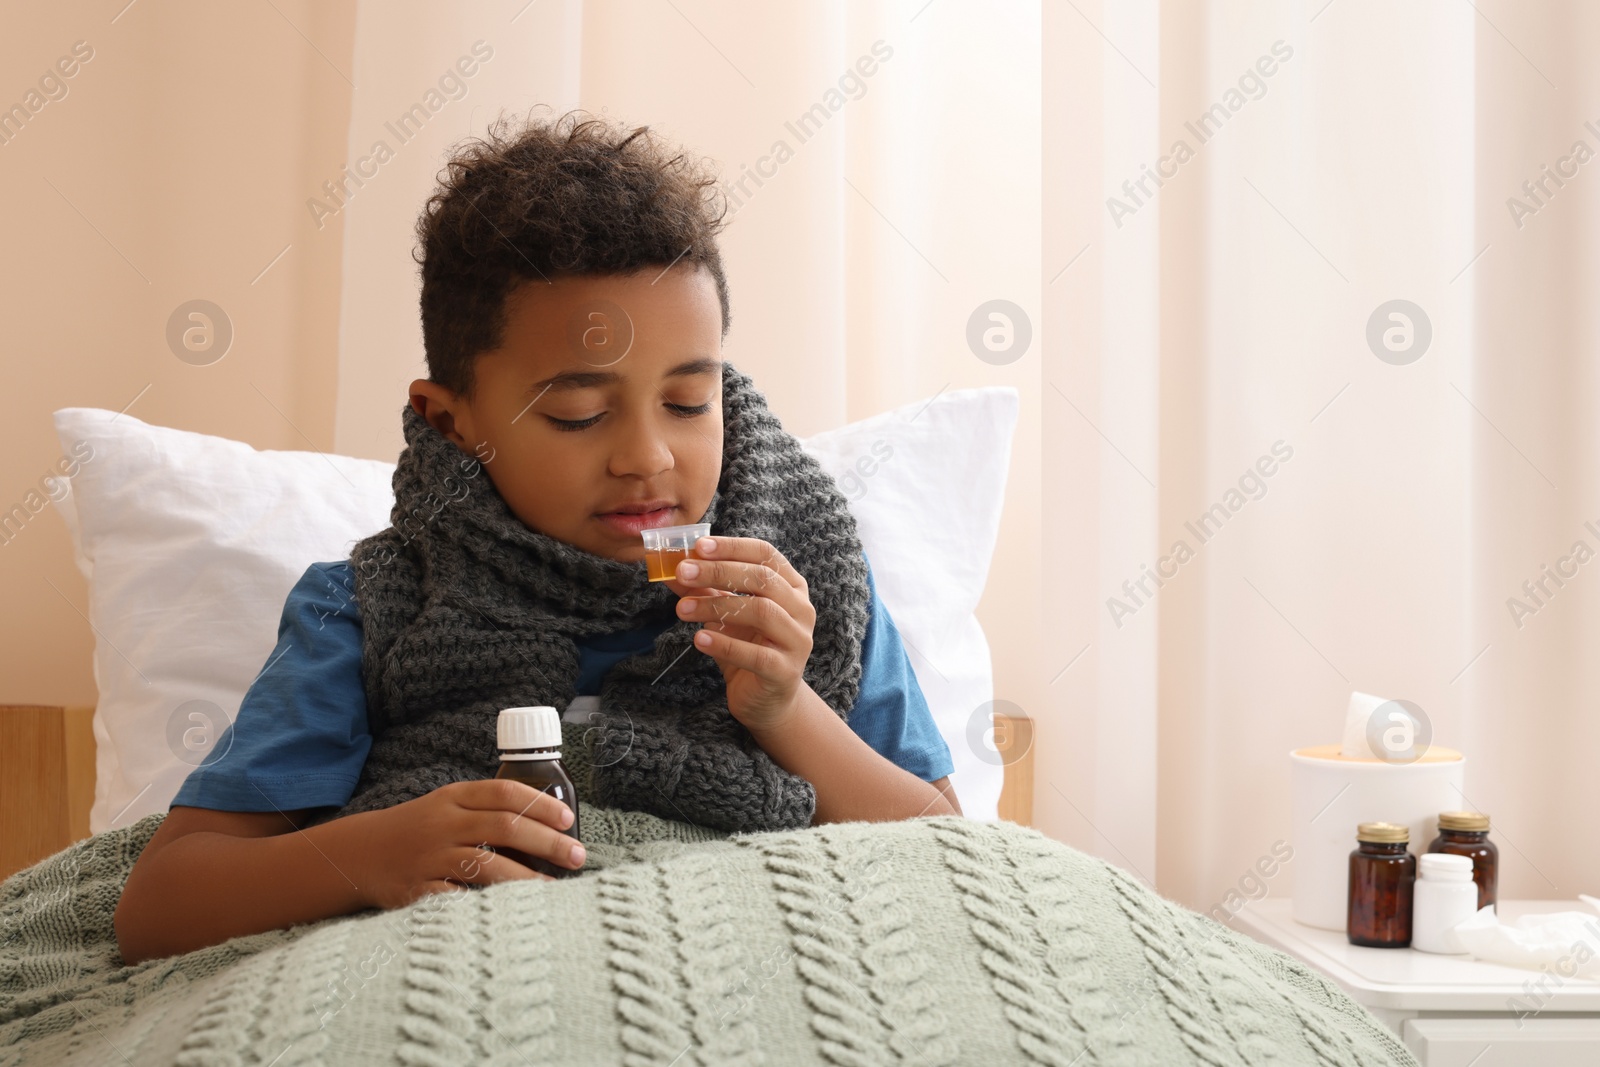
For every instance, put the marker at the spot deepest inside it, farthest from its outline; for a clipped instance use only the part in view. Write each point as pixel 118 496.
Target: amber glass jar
pixel 1382 876
pixel 1466 833
pixel 530 752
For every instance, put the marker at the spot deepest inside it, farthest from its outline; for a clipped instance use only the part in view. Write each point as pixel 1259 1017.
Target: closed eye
pixel 570 426
pixel 683 411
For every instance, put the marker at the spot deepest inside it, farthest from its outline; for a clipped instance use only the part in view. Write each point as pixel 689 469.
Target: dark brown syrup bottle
pixel 530 751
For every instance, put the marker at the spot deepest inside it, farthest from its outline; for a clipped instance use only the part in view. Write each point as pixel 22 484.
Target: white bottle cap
pixel 1444 867
pixel 528 728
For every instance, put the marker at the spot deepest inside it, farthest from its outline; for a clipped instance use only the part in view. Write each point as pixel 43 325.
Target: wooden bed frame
pixel 47 778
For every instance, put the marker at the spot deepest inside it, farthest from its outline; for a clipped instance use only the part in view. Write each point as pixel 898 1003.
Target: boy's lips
pixel 629 519
pixel 639 507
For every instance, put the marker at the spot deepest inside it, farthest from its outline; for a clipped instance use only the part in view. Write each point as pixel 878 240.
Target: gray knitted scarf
pixel 466 610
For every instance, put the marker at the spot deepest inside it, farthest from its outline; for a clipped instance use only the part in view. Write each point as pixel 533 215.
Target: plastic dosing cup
pixel 667 546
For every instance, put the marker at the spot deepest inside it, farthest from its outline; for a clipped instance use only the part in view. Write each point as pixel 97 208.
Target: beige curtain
pixel 876 199
pixel 172 164
pixel 1379 508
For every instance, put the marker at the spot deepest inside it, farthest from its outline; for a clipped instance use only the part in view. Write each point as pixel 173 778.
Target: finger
pixel 682 589
pixel 750 579
pixel 505 794
pixel 749 618
pixel 734 629
pixel 508 830
pixel 490 866
pixel 761 660
pixel 481 865
pixel 758 614
pixel 503 868
pixel 751 566
pixel 467 865
pixel 749 550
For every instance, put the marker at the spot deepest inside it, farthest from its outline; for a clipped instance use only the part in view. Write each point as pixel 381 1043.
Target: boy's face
pixel 600 414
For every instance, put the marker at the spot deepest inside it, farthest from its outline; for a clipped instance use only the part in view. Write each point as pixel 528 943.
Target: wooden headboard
pixel 47 778
pixel 46 781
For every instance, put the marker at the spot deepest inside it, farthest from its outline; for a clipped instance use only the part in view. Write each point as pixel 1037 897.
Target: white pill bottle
pixel 1445 895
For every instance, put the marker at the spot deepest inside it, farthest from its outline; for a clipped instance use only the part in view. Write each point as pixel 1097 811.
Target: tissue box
pixel 1331 793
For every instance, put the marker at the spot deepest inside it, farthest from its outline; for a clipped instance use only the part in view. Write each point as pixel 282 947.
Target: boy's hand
pixel 757 620
pixel 435 843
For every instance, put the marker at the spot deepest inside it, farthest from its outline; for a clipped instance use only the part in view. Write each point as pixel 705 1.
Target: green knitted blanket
pixel 932 941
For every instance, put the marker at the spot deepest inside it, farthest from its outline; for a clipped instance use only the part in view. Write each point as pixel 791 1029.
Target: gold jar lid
pixel 1383 833
pixel 1463 820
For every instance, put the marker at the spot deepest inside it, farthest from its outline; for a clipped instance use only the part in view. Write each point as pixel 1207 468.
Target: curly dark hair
pixel 535 199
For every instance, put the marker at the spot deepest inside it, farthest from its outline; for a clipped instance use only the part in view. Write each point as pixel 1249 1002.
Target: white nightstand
pixel 1451 1011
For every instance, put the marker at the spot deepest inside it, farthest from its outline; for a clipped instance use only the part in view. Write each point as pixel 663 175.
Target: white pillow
pixel 926 483
pixel 191 543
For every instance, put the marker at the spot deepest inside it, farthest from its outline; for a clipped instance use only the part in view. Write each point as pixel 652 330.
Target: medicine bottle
pixel 1466 833
pixel 1382 875
pixel 530 751
pixel 1445 895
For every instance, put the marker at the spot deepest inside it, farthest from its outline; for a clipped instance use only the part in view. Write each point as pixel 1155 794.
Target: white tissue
pixel 1356 719
pixel 1568 942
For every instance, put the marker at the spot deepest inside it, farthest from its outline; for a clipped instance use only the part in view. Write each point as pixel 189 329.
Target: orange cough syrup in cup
pixel 667 546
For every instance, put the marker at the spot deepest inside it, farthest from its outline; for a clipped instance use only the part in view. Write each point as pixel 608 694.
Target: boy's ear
pixel 446 411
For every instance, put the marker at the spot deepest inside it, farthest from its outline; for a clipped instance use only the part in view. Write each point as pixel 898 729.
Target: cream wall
pixel 1350 572
pixel 176 167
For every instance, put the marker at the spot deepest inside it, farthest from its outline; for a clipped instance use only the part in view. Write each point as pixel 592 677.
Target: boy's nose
pixel 641 452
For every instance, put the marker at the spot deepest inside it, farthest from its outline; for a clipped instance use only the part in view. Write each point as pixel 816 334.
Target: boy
pixel 573 308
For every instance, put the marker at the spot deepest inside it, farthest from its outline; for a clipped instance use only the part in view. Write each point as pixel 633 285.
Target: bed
pixel 937 940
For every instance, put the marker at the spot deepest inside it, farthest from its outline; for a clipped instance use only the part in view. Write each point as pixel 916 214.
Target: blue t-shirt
pixel 300 738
